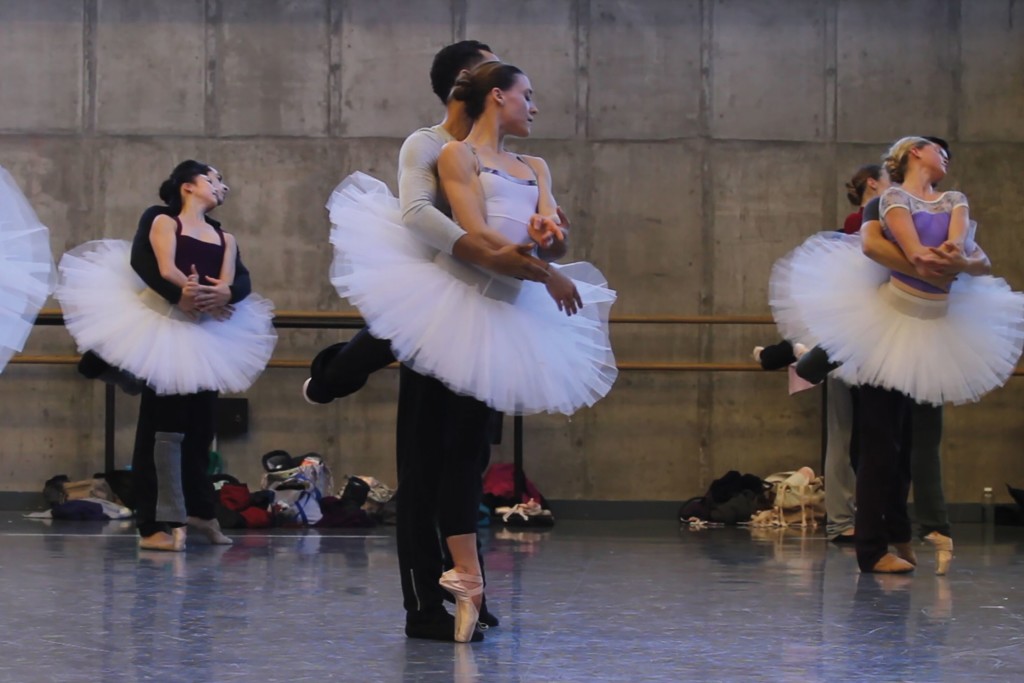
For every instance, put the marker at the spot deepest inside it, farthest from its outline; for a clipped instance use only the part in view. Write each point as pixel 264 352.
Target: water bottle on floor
pixel 988 511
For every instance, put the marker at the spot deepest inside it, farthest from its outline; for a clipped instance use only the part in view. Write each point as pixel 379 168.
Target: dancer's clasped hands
pixel 211 299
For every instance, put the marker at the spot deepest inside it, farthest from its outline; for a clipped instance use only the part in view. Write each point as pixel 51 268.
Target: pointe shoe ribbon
pixel 464 587
pixel 525 510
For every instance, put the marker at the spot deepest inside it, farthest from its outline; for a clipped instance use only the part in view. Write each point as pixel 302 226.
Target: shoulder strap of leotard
pixel 475 157
pixel 529 166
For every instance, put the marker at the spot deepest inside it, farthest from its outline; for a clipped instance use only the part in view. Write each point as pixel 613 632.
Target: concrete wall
pixel 693 142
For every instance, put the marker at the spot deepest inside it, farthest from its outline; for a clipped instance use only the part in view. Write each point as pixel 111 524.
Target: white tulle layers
pixel 827 293
pixel 26 268
pixel 499 340
pixel 110 311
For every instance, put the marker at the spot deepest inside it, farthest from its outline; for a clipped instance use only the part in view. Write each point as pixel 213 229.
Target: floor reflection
pixel 594 601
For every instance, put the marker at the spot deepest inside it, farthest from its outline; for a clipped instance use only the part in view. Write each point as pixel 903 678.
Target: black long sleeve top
pixel 145 264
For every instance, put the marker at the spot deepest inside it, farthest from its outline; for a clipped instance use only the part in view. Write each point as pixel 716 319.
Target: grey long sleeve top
pixel 423 209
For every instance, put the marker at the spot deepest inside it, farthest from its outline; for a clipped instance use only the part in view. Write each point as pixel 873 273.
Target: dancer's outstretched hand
pixel 564 292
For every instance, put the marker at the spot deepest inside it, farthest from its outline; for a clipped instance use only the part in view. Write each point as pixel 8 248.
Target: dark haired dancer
pixel 867 183
pixel 186 350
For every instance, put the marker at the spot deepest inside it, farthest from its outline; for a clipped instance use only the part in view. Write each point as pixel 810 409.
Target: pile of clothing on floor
pixel 299 491
pixel 782 499
pixel 294 492
pixel 88 499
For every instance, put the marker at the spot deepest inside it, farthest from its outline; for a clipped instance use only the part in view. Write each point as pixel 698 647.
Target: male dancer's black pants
pixel 883 473
pixel 926 468
pixel 441 439
pixel 435 427
pixel 360 357
pixel 193 415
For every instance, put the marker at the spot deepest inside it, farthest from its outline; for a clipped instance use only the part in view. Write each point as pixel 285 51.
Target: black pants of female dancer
pixel 883 473
pixel 193 416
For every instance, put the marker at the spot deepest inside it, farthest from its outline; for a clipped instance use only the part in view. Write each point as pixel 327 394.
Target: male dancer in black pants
pixel 442 437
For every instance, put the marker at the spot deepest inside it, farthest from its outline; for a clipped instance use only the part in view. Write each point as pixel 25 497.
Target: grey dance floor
pixel 585 601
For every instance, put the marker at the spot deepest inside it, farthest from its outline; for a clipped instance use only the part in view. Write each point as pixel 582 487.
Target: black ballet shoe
pixel 814 365
pixel 314 394
pixel 317 370
pixel 844 539
pixel 487 619
pixel 91 366
pixel 777 356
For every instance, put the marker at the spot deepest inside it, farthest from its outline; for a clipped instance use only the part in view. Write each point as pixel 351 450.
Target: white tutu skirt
pixel 827 293
pixel 110 311
pixel 499 340
pixel 26 268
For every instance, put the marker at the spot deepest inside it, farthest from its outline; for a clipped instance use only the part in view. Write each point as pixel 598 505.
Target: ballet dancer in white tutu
pixel 899 335
pixel 897 331
pixel 520 347
pixel 26 268
pixel 184 354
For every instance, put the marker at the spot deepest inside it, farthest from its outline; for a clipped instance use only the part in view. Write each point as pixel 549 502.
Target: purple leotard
pixel 931 220
pixel 206 256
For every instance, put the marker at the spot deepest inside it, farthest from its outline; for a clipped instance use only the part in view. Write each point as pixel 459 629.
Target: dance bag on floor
pixel 731 499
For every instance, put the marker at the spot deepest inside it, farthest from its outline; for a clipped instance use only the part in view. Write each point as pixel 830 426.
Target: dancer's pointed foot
pixel 468 590
pixel 890 564
pixel 943 551
pixel 179 533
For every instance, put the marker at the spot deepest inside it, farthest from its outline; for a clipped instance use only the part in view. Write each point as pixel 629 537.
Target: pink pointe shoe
pixel 943 551
pixel 463 587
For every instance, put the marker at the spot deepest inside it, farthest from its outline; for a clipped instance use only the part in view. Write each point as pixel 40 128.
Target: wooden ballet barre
pixel 635 366
pixel 350 320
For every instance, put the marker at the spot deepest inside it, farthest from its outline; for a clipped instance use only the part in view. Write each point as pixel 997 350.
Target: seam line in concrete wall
pixel 706 303
pixel 335 21
pixel 956 57
pixel 581 11
pixel 89 20
pixel 211 42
